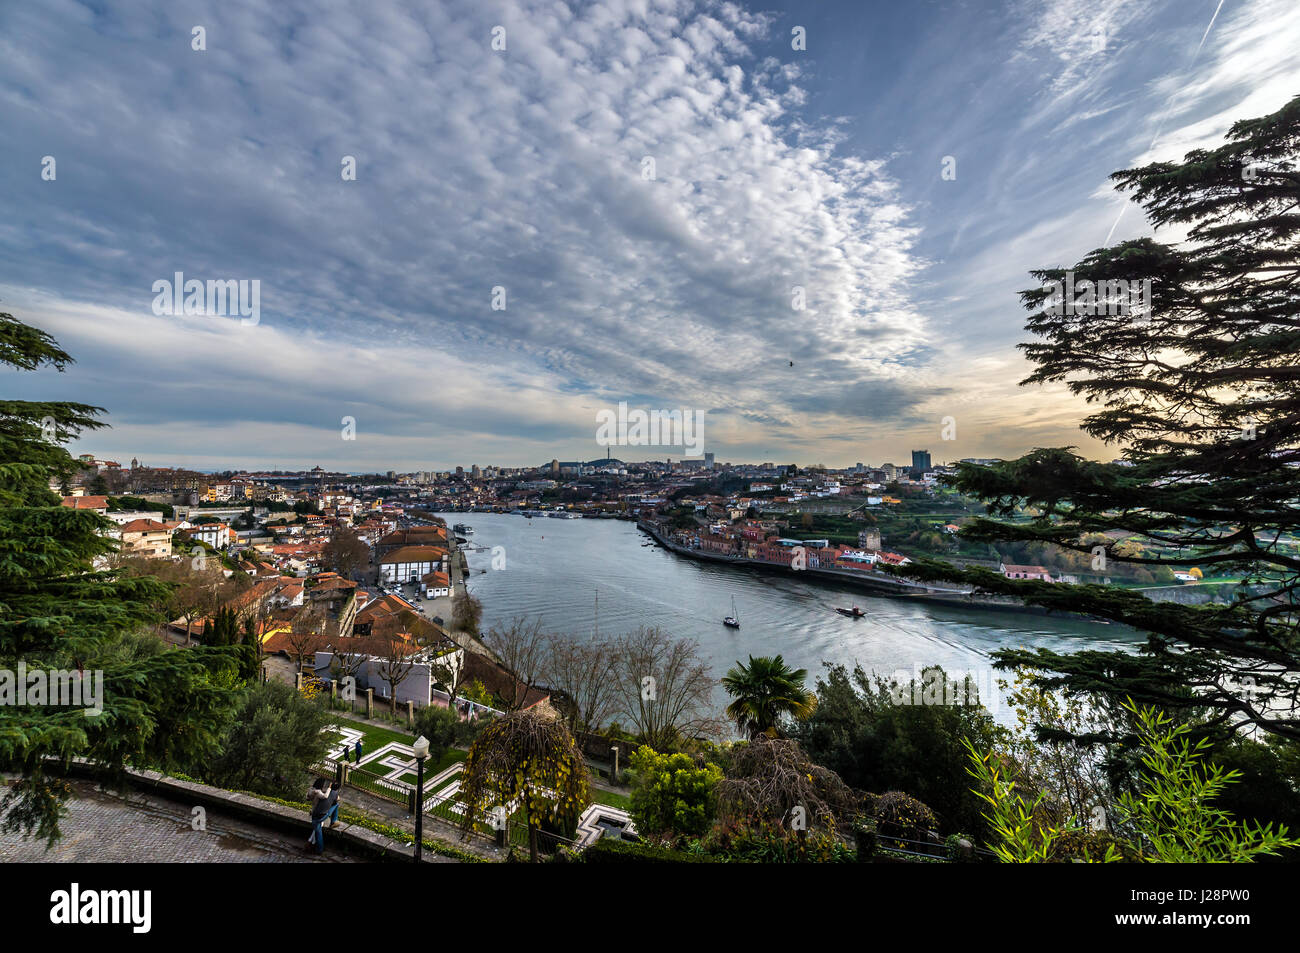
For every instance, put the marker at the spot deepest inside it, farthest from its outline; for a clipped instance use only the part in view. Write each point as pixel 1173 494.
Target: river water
pixel 563 571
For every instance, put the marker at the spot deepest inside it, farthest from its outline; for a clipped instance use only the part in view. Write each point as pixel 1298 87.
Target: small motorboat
pixel 854 613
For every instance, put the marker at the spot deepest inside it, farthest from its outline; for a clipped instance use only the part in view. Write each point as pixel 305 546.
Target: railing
pixel 891 843
pixel 443 807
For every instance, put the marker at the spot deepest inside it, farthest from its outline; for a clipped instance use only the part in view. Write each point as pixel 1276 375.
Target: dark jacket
pixel 320 804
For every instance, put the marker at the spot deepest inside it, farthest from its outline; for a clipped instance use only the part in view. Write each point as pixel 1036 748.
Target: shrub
pixel 671 794
pixel 766 842
pixel 901 815
pixel 273 740
pixel 611 850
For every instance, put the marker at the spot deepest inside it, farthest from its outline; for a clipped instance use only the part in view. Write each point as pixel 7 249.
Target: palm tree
pixel 764 691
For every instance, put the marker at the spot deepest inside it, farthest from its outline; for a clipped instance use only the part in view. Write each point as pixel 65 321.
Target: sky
pixel 476 225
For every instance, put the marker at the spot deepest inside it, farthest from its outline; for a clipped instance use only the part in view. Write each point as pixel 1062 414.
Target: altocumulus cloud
pixel 524 168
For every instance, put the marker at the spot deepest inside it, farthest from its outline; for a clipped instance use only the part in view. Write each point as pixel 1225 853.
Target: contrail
pixel 1161 124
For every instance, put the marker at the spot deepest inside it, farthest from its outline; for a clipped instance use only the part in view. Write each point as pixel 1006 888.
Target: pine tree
pixel 1199 390
pixel 160 708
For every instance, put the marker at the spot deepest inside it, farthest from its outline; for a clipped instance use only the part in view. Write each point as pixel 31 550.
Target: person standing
pixel 324 806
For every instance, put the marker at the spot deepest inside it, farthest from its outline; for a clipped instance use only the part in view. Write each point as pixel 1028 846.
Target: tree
pixel 251 639
pixel 160 708
pixel 269 746
pixel 906 736
pixel 770 781
pixel 466 612
pixel 448 675
pixel 581 676
pixel 394 655
pixel 1199 391
pixel 530 757
pixel 663 687
pixel 444 729
pixel 1072 778
pixel 765 691
pixel 345 551
pixel 224 628
pixel 521 647
pixel 1172 818
pixel 305 632
pixel 672 796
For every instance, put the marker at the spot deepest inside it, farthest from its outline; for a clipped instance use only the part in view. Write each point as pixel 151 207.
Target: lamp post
pixel 421 751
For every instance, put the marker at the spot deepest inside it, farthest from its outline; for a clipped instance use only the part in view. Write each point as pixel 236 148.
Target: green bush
pixel 444 729
pixel 671 794
pixel 273 739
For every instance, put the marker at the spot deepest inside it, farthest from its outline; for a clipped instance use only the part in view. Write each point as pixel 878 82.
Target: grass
pixel 610 798
pixel 452 756
pixel 372 737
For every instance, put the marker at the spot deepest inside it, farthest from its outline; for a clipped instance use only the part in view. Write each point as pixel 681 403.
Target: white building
pixel 216 535
pixel 412 563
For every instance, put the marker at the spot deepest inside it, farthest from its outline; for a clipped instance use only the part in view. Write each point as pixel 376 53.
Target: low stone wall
pixel 350 838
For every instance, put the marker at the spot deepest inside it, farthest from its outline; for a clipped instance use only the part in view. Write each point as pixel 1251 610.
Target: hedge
pixel 610 850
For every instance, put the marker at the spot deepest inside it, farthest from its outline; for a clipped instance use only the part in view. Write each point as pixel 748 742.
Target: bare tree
pixel 345 552
pixel 304 633
pixel 663 687
pixel 521 648
pixel 466 612
pixel 583 674
pixel 771 778
pixel 345 661
pixel 449 675
pixel 394 655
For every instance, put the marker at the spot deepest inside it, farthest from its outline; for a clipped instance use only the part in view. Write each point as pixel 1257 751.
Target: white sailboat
pixel 732 621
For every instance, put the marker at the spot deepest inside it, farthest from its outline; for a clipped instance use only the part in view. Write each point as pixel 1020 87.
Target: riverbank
pixel 875 585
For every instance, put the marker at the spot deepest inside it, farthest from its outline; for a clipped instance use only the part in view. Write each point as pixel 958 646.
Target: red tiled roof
pixel 86 502
pixel 144 526
pixel 415 554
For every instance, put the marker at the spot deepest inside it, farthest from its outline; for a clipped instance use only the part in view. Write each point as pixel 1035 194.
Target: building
pixel 869 538
pixel 412 563
pixel 147 538
pixel 216 535
pixel 920 461
pixel 1024 572
pixel 436 584
pixel 97 503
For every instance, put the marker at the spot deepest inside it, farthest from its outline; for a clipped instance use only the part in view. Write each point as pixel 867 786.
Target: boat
pixel 462 530
pixel 854 613
pixel 732 621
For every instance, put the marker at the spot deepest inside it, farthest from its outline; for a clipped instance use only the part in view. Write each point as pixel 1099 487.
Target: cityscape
pixel 586 432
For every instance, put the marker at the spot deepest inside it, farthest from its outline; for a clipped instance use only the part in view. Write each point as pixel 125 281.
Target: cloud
pixel 524 169
pixel 653 183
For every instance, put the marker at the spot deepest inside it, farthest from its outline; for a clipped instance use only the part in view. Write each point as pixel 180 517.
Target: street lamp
pixel 421 751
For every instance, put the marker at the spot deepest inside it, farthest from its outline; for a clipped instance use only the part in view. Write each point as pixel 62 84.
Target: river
pixel 564 570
